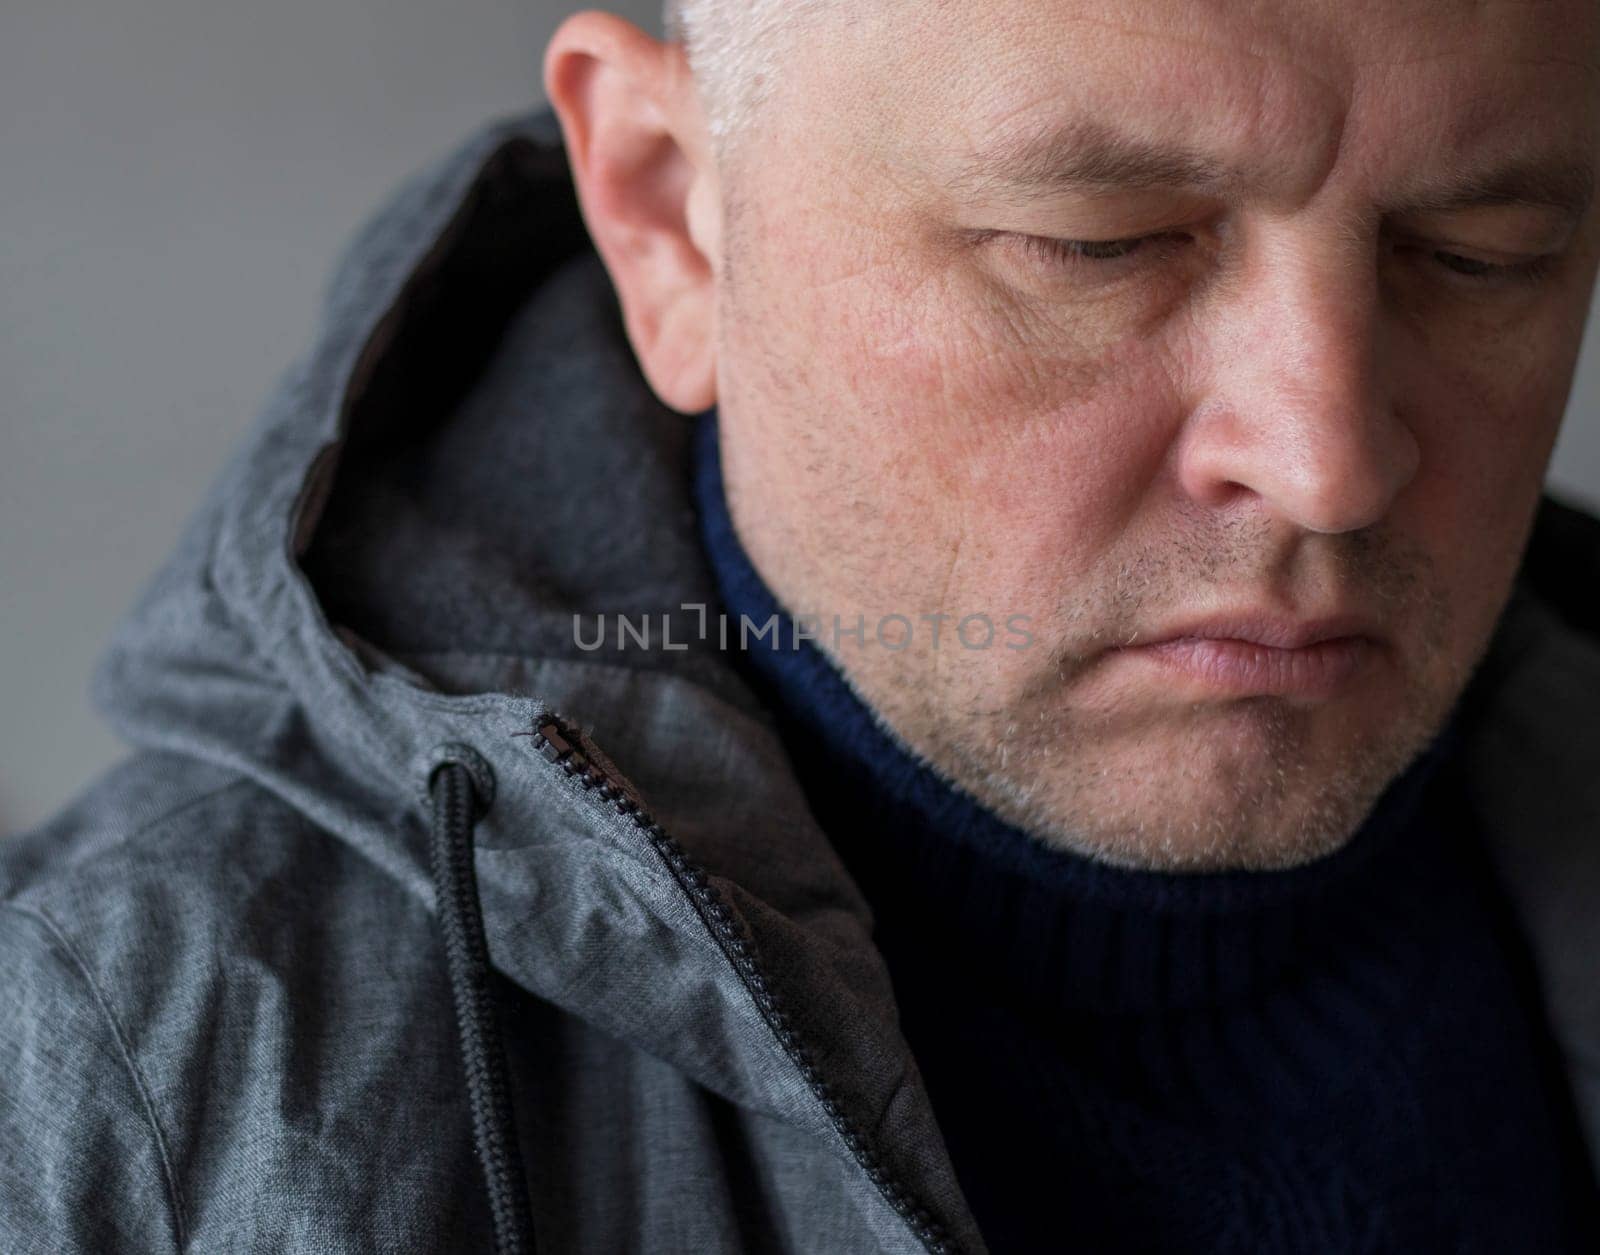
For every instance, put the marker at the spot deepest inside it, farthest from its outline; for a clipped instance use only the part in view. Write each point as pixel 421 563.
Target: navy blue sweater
pixel 1341 1057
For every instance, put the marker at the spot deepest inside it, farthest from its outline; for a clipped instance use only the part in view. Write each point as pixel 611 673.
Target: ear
pixel 641 157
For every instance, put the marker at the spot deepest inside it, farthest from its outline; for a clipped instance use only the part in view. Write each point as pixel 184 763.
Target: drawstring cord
pixel 482 1056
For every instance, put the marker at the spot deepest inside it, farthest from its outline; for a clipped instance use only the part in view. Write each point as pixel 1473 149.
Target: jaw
pixel 1256 782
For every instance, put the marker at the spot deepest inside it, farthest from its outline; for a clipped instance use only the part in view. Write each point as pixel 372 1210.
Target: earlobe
pixel 682 365
pixel 636 142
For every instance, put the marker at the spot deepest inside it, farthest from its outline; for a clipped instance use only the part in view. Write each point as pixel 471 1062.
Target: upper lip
pixel 1274 631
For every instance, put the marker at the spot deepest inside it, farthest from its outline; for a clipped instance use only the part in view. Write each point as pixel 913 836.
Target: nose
pixel 1299 413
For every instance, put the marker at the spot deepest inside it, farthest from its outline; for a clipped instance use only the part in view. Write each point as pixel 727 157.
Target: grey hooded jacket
pixel 225 1002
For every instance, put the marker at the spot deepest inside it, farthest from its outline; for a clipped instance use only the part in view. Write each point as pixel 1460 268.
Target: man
pixel 1069 746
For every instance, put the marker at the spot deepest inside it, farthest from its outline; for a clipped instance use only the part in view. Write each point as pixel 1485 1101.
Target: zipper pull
pixel 549 742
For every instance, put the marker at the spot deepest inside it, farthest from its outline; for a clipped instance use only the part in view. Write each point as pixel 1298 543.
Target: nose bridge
pixel 1316 314
pixel 1300 412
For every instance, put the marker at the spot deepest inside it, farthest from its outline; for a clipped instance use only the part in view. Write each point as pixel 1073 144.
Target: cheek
pixel 1020 452
pixel 932 431
pixel 1484 386
pixel 1486 422
pixel 992 400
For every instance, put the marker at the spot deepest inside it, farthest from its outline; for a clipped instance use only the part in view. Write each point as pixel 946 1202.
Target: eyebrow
pixel 1559 183
pixel 1086 157
pixel 1090 158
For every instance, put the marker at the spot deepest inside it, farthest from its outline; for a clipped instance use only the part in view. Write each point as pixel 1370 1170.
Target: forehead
pixel 1294 86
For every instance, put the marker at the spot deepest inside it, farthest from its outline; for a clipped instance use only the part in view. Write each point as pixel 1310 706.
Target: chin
pixel 1251 784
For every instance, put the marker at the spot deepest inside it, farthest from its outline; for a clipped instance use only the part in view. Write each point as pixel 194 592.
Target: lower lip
pixel 1246 669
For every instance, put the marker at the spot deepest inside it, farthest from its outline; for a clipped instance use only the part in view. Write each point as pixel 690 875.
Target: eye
pixel 1087 252
pixel 1097 250
pixel 1473 266
pixel 1476 270
pixel 1099 266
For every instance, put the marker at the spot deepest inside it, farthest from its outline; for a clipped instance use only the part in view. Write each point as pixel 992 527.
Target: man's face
pixel 1303 383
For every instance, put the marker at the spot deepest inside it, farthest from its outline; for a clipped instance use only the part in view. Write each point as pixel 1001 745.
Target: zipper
pixel 555 739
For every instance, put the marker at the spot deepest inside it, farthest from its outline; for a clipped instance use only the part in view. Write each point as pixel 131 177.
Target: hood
pixel 466 459
pixel 385 576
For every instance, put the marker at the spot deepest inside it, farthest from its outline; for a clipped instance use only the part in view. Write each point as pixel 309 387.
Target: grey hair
pixel 733 48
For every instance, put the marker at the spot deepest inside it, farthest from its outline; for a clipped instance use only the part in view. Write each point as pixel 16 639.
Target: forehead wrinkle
pixel 1087 157
pixel 1088 154
pixel 1316 59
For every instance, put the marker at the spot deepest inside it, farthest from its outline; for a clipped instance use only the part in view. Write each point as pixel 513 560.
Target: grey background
pixel 176 177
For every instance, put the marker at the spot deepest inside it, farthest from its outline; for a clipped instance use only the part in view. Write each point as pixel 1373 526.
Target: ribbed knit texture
pixel 1341 1057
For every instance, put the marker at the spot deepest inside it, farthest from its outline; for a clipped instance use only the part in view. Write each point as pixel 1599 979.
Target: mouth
pixel 1260 656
